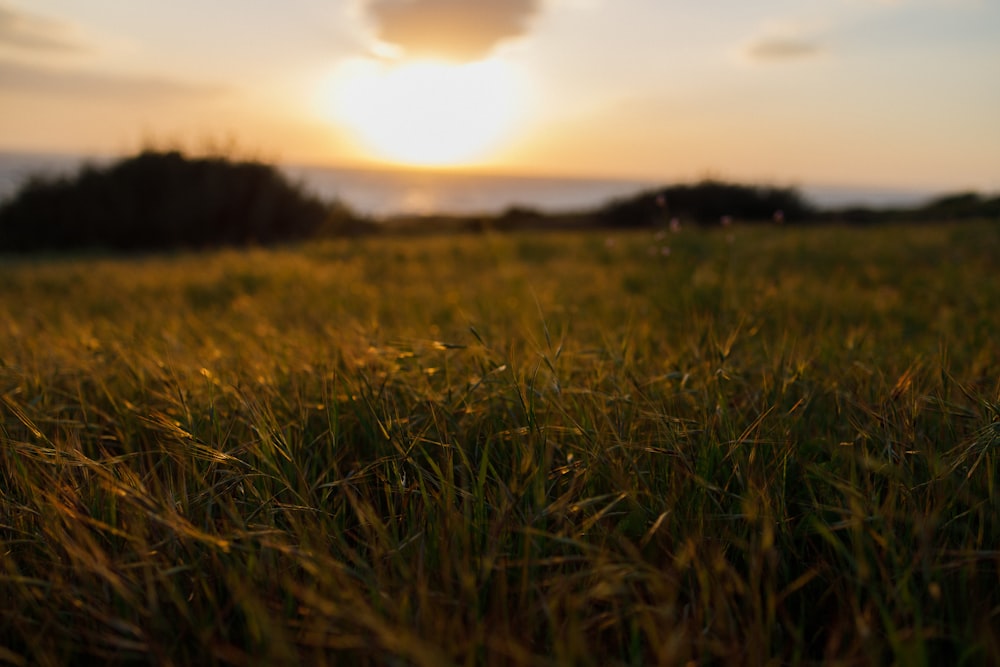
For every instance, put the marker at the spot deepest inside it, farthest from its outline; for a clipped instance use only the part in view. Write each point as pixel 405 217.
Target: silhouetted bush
pixel 947 208
pixel 707 202
pixel 165 200
pixel 962 206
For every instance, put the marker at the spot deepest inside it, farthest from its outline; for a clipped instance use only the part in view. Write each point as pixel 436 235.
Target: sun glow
pixel 426 113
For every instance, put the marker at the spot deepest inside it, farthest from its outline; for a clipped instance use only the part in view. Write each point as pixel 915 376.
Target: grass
pixel 767 446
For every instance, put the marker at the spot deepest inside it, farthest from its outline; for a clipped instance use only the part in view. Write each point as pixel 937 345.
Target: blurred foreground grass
pixel 736 447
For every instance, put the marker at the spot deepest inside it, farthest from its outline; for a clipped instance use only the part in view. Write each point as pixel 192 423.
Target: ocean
pixel 387 192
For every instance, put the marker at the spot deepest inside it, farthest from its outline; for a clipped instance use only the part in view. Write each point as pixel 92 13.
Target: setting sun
pixel 426 112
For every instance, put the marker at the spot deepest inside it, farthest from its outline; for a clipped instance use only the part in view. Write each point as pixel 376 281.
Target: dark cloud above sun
pixel 461 30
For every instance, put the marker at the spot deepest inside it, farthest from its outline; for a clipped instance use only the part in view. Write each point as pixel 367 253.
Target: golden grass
pixel 767 446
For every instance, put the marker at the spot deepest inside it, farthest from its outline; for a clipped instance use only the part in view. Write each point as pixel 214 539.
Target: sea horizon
pixel 390 191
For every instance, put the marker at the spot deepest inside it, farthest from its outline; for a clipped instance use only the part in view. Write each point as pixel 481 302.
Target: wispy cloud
pixel 32 32
pixel 779 49
pixel 456 29
pixel 21 77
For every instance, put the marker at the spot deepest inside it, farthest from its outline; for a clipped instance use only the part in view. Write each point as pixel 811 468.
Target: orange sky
pixel 839 92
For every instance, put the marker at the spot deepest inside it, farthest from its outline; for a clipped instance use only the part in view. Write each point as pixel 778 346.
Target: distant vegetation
pixel 164 199
pixel 948 208
pixel 707 203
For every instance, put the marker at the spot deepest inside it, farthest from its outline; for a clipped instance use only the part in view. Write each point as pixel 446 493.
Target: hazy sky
pixel 836 92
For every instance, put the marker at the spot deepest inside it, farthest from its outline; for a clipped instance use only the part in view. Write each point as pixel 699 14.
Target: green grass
pixel 770 446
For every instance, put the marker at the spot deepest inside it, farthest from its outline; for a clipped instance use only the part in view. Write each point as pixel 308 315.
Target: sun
pixel 426 113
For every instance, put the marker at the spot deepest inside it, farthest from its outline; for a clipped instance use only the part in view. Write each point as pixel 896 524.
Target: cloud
pixel 461 30
pixel 32 32
pixel 21 77
pixel 778 49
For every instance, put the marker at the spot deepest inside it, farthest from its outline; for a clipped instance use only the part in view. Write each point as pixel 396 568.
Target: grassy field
pixel 747 446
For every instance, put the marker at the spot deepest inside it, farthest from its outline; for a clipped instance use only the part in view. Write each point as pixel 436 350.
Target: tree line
pixel 163 199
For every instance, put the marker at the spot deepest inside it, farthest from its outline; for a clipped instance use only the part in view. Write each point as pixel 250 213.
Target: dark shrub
pixel 161 200
pixel 946 208
pixel 961 206
pixel 706 203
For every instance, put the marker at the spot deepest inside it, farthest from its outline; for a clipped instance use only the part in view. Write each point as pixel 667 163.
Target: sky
pixel 871 93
